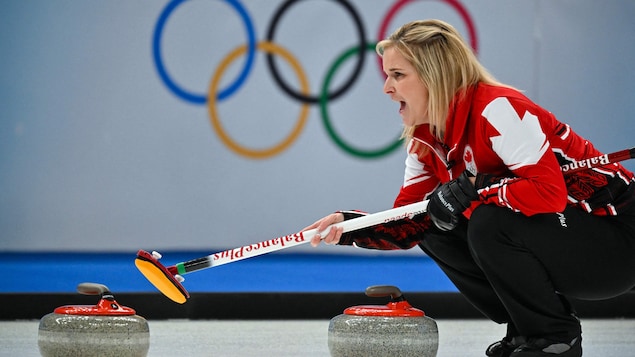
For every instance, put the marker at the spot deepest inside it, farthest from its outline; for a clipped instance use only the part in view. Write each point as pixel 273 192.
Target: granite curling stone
pixel 104 330
pixel 394 329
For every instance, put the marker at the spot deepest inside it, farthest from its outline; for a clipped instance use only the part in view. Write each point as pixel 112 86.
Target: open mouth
pixel 402 106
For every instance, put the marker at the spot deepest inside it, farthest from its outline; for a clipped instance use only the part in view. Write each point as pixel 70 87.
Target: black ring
pixel 349 82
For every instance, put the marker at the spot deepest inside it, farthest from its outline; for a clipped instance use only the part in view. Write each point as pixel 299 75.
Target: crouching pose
pixel 516 235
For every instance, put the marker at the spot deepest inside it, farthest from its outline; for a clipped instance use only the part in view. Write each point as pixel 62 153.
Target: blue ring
pixel 192 97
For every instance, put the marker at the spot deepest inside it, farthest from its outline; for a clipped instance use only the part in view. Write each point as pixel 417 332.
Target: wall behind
pixel 107 136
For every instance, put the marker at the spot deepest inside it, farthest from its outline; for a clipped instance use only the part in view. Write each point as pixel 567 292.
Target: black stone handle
pixel 92 289
pixel 383 291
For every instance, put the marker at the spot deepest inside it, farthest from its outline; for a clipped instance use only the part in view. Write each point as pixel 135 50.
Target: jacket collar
pixel 455 129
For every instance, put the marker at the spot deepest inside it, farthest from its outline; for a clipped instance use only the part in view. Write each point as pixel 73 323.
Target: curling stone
pixel 106 329
pixel 394 329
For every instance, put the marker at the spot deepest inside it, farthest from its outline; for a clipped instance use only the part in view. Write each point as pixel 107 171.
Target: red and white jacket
pixel 515 147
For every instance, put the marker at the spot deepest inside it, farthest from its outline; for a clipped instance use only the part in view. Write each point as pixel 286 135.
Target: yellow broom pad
pixel 161 281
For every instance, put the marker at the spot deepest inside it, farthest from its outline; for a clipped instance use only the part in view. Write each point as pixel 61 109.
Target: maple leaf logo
pixel 468 156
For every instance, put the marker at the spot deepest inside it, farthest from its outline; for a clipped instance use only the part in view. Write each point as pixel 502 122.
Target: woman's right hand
pixel 334 234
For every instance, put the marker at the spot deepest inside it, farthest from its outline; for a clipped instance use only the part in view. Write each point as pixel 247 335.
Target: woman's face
pixel 403 86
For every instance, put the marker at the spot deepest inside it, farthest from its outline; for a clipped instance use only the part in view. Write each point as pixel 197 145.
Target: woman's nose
pixel 388 88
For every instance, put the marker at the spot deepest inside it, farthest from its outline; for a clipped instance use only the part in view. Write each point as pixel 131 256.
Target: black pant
pixel 519 270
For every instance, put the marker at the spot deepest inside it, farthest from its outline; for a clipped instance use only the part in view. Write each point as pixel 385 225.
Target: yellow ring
pixel 268 47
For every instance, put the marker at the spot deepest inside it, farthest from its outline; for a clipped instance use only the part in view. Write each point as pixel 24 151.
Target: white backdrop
pixel 98 153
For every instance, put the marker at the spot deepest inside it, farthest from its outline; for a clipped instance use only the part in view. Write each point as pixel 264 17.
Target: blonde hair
pixel 444 62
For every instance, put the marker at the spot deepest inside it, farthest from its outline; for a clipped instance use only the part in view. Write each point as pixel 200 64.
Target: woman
pixel 515 235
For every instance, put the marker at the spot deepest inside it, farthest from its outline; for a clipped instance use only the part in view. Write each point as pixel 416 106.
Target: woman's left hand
pixel 334 234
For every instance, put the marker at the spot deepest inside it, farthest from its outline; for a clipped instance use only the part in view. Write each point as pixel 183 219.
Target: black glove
pixel 449 200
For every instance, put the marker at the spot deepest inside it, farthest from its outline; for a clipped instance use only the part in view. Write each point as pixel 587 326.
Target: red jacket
pixel 516 148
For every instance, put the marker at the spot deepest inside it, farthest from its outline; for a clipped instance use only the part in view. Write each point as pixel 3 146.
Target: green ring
pixel 366 154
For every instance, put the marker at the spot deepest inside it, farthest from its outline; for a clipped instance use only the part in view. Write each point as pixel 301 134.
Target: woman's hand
pixel 334 234
pixel 450 200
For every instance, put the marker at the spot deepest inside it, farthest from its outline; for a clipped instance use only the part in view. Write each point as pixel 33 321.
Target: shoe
pixel 504 347
pixel 547 348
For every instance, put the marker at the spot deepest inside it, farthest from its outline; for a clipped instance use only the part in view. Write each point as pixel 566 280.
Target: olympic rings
pixel 214 95
pixel 276 149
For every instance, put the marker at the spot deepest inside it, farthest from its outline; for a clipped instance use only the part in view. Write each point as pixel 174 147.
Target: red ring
pixel 471 28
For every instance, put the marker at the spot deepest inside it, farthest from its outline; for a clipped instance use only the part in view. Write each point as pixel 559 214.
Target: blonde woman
pixel 515 235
